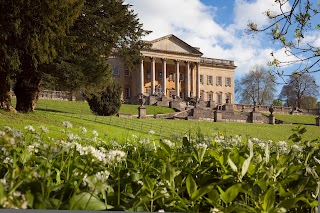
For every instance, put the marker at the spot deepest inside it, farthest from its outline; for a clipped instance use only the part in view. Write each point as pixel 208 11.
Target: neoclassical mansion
pixel 171 68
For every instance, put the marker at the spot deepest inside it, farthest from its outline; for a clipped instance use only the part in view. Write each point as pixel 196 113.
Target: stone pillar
pixel 192 81
pixel 318 121
pixel 177 78
pixel 164 76
pixel 217 116
pixel 187 78
pixel 142 111
pixel 153 71
pixel 198 80
pixel 272 119
pixel 141 90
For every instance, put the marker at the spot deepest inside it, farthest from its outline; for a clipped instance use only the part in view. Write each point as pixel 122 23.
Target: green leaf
pixel 200 192
pixel 191 185
pixel 245 166
pixel 269 199
pixel 2 193
pixel 232 165
pixel 213 197
pixel 288 203
pixel 230 194
pixel 165 147
pixel 148 183
pixel 87 201
pixel 30 198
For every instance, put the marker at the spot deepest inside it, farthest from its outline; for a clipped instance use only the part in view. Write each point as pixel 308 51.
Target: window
pixel 209 80
pixel 148 74
pixel 181 77
pixel 219 98
pixel 127 72
pixel 159 75
pixel 201 79
pixel 116 70
pixel 219 80
pixel 127 92
pixel 210 97
pixel 171 76
pixel 228 96
pixel 228 82
pixel 172 93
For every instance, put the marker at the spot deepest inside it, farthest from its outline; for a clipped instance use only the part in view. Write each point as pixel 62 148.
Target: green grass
pixel 83 107
pixel 79 114
pixel 297 119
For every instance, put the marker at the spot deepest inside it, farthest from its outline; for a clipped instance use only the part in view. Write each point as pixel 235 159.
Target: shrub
pixel 107 102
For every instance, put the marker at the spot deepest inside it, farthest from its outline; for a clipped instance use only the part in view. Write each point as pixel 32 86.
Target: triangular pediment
pixel 172 43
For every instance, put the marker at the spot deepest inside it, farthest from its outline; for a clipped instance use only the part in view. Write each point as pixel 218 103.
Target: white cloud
pixel 194 22
pixel 255 11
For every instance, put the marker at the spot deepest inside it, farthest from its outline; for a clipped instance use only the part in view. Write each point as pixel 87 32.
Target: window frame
pixel 116 70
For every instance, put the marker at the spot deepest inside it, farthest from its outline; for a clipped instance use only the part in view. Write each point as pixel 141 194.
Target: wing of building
pixel 171 68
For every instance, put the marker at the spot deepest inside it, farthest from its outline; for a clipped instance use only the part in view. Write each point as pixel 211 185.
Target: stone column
pixel 187 78
pixel 164 76
pixel 177 78
pixel 198 80
pixel 192 81
pixel 153 71
pixel 141 78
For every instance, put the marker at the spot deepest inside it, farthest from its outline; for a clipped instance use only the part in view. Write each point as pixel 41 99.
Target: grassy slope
pixel 45 115
pixel 297 119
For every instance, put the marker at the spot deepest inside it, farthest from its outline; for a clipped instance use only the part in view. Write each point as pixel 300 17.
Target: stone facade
pixel 173 69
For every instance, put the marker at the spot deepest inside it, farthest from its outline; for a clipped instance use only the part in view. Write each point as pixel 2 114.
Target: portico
pixel 164 76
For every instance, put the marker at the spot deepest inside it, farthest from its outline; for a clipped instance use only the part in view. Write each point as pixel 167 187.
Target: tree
pixel 300 86
pixel 33 32
pixel 256 87
pixel 277 102
pixel 308 102
pixel 291 27
pixel 105 27
pixel 107 102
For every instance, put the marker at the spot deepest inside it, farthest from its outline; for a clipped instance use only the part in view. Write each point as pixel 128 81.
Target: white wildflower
pixel 44 129
pixel 8 160
pixel 296 148
pixel 151 132
pixel 67 124
pixel 116 156
pixel 161 210
pixel 168 142
pixel 7 129
pixel 202 145
pixel 30 128
pixel 95 133
pixel 83 130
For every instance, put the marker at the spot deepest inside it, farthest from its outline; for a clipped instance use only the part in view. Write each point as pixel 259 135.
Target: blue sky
pixel 218 28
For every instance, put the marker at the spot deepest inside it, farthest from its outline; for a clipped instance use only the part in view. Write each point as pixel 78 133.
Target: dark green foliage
pixel 277 102
pixel 33 32
pixel 107 102
pixel 105 27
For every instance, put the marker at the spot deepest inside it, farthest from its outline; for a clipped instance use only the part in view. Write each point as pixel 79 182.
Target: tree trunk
pixel 5 100
pixel 27 92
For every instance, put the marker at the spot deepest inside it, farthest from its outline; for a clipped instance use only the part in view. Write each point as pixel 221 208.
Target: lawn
pixel 297 119
pixel 52 113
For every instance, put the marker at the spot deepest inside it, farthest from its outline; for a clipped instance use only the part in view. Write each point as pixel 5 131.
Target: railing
pixel 140 125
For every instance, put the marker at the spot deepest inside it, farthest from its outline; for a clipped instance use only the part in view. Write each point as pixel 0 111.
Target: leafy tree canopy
pixel 104 28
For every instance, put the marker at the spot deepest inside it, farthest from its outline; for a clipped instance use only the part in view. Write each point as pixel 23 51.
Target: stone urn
pixel 271 109
pixel 141 100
